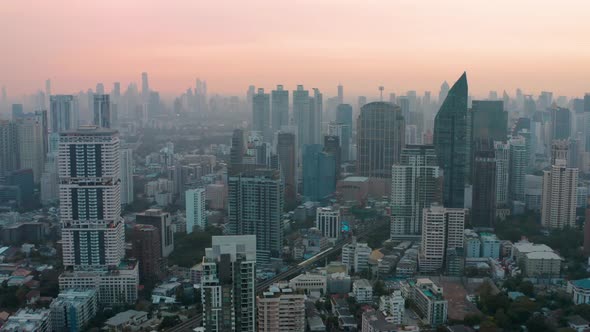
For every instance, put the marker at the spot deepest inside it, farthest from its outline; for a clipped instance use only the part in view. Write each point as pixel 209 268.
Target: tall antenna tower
pixel 381 88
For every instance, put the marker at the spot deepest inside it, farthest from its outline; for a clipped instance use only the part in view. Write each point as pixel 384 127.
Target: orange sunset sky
pixel 403 45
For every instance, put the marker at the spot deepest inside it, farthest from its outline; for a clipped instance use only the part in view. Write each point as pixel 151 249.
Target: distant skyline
pixel 400 44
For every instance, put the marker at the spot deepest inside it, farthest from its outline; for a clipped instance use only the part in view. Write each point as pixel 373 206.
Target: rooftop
pixel 356 179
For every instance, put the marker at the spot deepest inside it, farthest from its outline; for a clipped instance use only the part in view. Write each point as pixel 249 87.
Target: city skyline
pixel 402 45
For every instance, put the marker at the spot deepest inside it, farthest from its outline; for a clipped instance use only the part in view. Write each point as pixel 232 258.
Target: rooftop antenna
pixel 381 88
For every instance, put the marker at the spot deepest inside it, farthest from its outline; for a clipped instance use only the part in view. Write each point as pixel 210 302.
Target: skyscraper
pixel 302 115
pixel 30 145
pixel 102 111
pixel 518 164
pixel 316 109
pixel 483 209
pixel 8 147
pixel 228 284
pixel 63 113
pixel 502 156
pixel 92 227
pixel 286 150
pixel 238 149
pixel 127 195
pixel 145 86
pixel 560 123
pixel 416 183
pixel 442 230
pixel 280 108
pixel 444 91
pixel 261 115
pixel 489 120
pixel 558 202
pixel 344 117
pixel 319 176
pixel 450 142
pixel 332 146
pixel 380 139
pixel 340 94
pixel 196 216
pixel 255 199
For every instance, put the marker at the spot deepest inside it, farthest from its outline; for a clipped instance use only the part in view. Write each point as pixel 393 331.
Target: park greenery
pixel 189 249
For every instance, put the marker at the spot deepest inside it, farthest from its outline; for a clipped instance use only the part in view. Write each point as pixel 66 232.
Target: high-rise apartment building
pixel 558 203
pixel 502 156
pixel 450 142
pixel 327 220
pixel 319 173
pixel 256 198
pixel 281 309
pixel 102 111
pixel 261 115
pixel 127 196
pixel 280 108
pixel 287 152
pixel 442 229
pixel 163 222
pixel 196 215
pixel 90 212
pixel 228 284
pixel 416 183
pixel 518 165
pixel 380 139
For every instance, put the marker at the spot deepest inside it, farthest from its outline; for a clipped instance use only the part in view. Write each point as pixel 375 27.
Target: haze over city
pixel 403 45
pixel 301 166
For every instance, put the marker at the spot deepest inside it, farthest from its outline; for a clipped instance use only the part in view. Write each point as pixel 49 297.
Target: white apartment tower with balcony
pixel 558 202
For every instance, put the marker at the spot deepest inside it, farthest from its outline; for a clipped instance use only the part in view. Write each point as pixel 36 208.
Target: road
pixel 189 324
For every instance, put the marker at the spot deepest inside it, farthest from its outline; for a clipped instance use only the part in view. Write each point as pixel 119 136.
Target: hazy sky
pixel 533 44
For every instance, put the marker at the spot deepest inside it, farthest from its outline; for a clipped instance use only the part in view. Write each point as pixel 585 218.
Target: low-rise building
pixel 362 291
pixel 490 245
pixel 394 306
pixel 580 290
pixel 541 265
pixel 355 256
pixel 310 282
pixel 29 320
pixel 73 308
pixel 375 321
pixel 430 304
pixel 130 318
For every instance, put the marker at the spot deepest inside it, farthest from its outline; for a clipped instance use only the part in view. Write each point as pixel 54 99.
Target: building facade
pixel 451 143
pixel 416 183
pixel 380 139
pixel 196 214
pixel 228 284
pixel 255 207
pixel 558 207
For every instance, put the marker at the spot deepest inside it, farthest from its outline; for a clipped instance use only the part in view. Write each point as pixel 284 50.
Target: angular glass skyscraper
pixel 450 143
